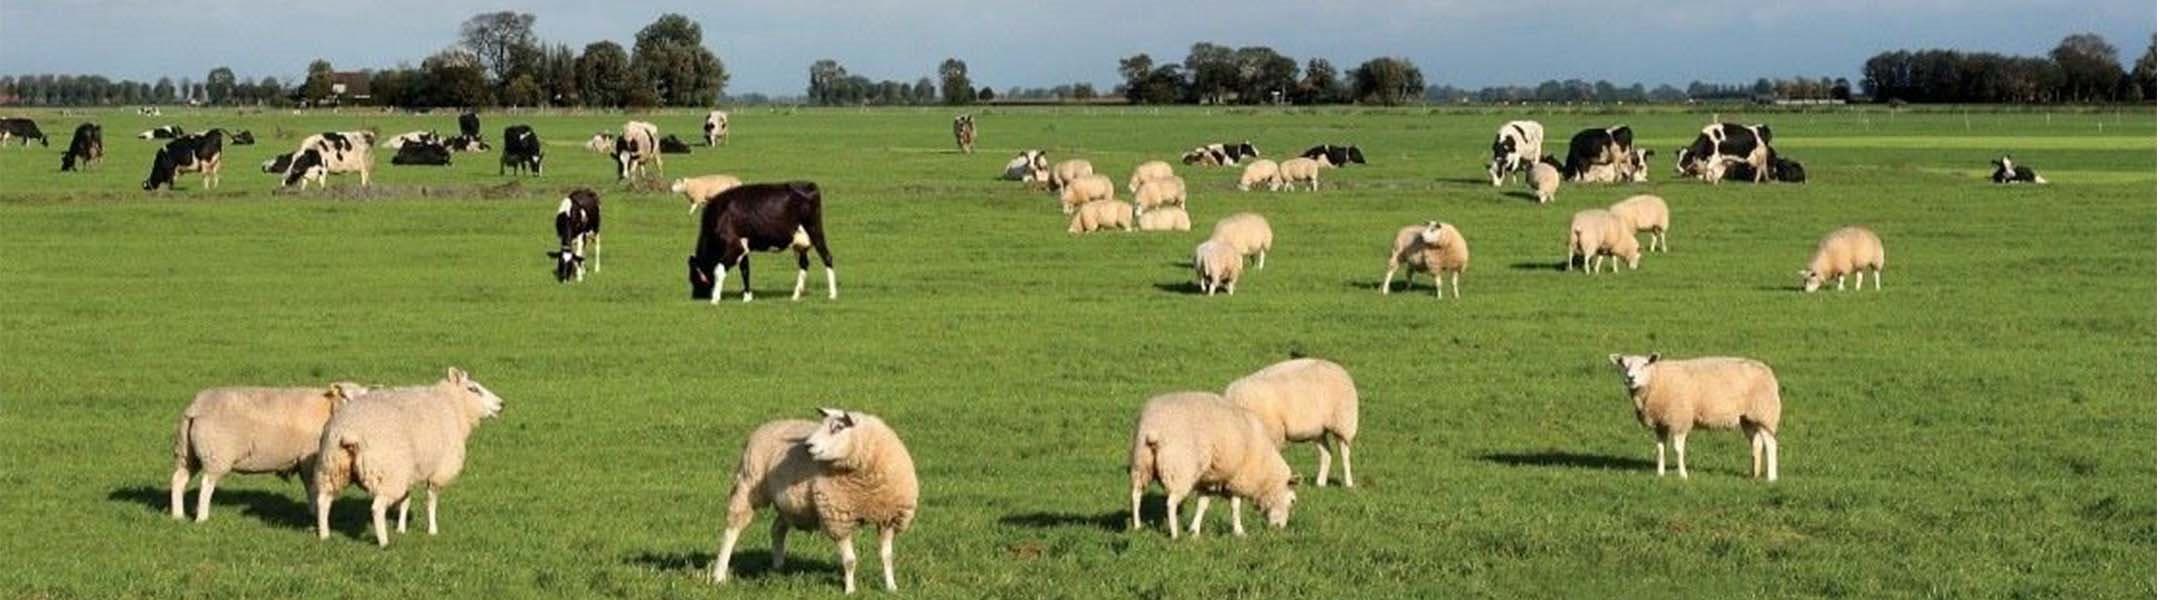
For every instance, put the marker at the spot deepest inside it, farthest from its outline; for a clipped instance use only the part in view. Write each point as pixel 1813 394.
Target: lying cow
pixel 1218 155
pixel 24 129
pixel 466 143
pixel 244 138
pixel 412 137
pixel 2008 172
pixel 1514 149
pixel 87 147
pixel 162 132
pixel 1331 155
pixel 429 153
pixel 1720 145
pixel 673 145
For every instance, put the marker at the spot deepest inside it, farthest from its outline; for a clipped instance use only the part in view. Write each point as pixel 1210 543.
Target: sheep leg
pixel 1841 283
pixel 1237 516
pixel 1439 290
pixel 736 521
pixel 1135 524
pixel 381 509
pixel 1388 282
pixel 404 511
pixel 847 563
pixel 179 490
pixel 1661 457
pixel 323 499
pixel 430 512
pixel 1454 280
pixel 1263 260
pixel 202 496
pixel 1199 511
pixel 779 542
pixel 1342 446
pixel 1679 445
pixel 1878 278
pixel 1770 453
pixel 885 554
pixel 1755 449
pixel 1170 507
pixel 1326 460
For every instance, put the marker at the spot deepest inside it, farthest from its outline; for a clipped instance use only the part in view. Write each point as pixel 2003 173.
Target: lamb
pixel 848 471
pixel 1155 193
pixel 1085 189
pixel 1436 248
pixel 1301 169
pixel 1672 397
pixel 1850 250
pixel 1147 171
pixel 1165 219
pixel 698 190
pixel 1101 214
pixel 1069 170
pixel 1599 233
pixel 1304 400
pixel 1645 213
pixel 1218 267
pixel 389 440
pixel 1200 442
pixel 1544 181
pixel 251 430
pixel 1261 171
pixel 1246 234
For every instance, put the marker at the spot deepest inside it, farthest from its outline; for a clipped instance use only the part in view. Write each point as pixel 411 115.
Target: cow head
pixel 1245 150
pixel 162 170
pixel 305 165
pixel 702 278
pixel 568 264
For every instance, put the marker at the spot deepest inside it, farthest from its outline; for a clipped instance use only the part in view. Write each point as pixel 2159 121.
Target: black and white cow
pixel 637 149
pixel 278 164
pixel 188 154
pixel 1335 156
pixel 1224 154
pixel 521 150
pixel 24 129
pixel 162 132
pixel 1597 146
pixel 331 152
pixel 757 217
pixel 244 138
pixel 1720 145
pixel 2008 172
pixel 87 147
pixel 466 143
pixel 412 137
pixel 1517 146
pixel 148 111
pixel 468 124
pixel 716 128
pixel 673 145
pixel 577 227
pixel 429 153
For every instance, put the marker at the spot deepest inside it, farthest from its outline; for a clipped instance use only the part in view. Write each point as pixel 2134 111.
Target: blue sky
pixel 768 45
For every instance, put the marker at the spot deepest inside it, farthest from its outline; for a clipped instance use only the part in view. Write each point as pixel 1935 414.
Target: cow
pixel 17 127
pixel 1514 149
pixel 148 111
pixel 1633 167
pixel 601 142
pixel 716 128
pixel 1335 156
pixel 411 137
pixel 244 138
pixel 1224 154
pixel 330 152
pixel 468 124
pixel 1722 144
pixel 577 227
pixel 673 145
pixel 203 153
pixel 521 150
pixel 963 133
pixel 278 164
pixel 431 153
pixel 88 146
pixel 639 146
pixel 2009 172
pixel 466 143
pixel 754 217
pixel 162 132
pixel 1031 166
pixel 1597 146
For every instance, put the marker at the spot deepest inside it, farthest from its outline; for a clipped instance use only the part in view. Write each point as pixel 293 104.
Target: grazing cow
pixel 1597 146
pixel 2008 172
pixel 638 147
pixel 1721 145
pixel 716 130
pixel 88 146
pixel 1331 155
pixel 412 137
pixel 331 152
pixel 577 226
pixel 521 150
pixel 163 132
pixel 466 143
pixel 278 164
pixel 430 153
pixel 188 154
pixel 673 145
pixel 17 127
pixel 963 132
pixel 468 124
pixel 1517 146
pixel 753 217
pixel 244 138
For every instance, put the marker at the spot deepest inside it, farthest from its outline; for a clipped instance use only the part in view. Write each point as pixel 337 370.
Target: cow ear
pixel 554 254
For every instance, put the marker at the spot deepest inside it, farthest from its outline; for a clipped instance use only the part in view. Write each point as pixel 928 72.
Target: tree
pixel 1387 80
pixel 671 55
pixel 559 79
pixel 603 74
pixel 455 78
pixel 271 90
pixel 499 39
pixel 1135 70
pixel 925 91
pixel 316 88
pixel 218 86
pixel 2142 74
pixel 953 78
pixel 1322 85
pixel 986 94
pixel 1213 72
pixel 1083 91
pixel 2090 65
pixel 1264 75
pixel 825 78
pixel 522 90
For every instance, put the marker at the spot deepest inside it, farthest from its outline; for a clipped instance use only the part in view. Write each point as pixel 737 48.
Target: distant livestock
pixel 1517 146
pixel 1597 146
pixel 86 148
pixel 577 228
pixel 1221 155
pixel 1544 180
pixel 521 150
pixel 430 153
pixel 278 164
pixel 468 124
pixel 638 149
pixel 332 152
pixel 1597 233
pixel 1673 397
pixel 755 217
pixel 411 137
pixel 1261 172
pixel 716 128
pixel 1069 170
pixel 2009 172
pixel 1301 170
pixel 1100 215
pixel 1031 166
pixel 1853 250
pixel 243 138
pixel 1721 145
pixel 188 154
pixel 23 129
pixel 466 143
pixel 163 132
pixel 963 133
pixel 669 144
pixel 702 189
pixel 1331 155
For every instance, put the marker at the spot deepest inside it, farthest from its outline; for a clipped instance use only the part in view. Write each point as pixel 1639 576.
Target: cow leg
pixel 817 242
pixel 744 266
pixel 802 272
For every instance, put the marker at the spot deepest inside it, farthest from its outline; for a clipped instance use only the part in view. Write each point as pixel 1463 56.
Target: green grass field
pixel 1981 427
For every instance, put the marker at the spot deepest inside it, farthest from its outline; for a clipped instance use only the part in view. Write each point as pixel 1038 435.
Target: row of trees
pixel 2083 68
pixel 1579 91
pixel 499 61
pixel 79 90
pixel 1214 74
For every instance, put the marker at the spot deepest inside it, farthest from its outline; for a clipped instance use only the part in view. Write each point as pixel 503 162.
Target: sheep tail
pixel 184 444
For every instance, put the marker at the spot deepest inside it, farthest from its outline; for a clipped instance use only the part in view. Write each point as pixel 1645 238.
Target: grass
pixel 1981 427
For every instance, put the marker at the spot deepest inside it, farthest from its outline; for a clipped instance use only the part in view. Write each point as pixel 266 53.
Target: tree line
pixel 2083 68
pixel 1216 74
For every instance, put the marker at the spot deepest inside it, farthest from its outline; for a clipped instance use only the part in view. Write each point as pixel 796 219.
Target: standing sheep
pixel 699 190
pixel 1436 248
pixel 389 440
pixel 1068 170
pixel 1218 267
pixel 1085 189
pixel 1599 233
pixel 1675 396
pixel 1851 250
pixel 1304 400
pixel 1101 214
pixel 1246 234
pixel 1154 193
pixel 1165 219
pixel 1301 169
pixel 1262 171
pixel 1148 171
pixel 1645 213
pixel 848 471
pixel 1544 181
pixel 1197 441
pixel 251 430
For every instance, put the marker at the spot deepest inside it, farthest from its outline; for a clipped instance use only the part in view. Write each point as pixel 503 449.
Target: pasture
pixel 1983 426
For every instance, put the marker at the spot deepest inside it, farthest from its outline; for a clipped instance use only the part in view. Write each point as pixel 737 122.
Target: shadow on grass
pixel 349 516
pixel 1521 195
pixel 1189 288
pixel 1152 514
pixel 1568 460
pixel 1465 181
pixel 747 564
pixel 1540 266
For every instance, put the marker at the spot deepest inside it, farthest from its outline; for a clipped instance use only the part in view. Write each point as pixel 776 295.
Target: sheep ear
pixel 456 375
pixel 831 413
pixel 1613 358
pixel 1653 359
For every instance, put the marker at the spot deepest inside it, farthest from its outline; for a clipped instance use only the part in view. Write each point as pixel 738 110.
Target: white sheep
pixel 1068 170
pixel 388 440
pixel 1262 171
pixel 1303 170
pixel 1147 171
pixel 1101 214
pixel 1674 396
pixel 1198 441
pixel 1085 189
pixel 602 142
pixel 1599 233
pixel 1851 250
pixel 1544 182
pixel 1165 219
pixel 699 190
pixel 847 471
pixel 1247 234
pixel 1218 267
pixel 1304 400
pixel 251 430
pixel 1645 213
pixel 1154 193
pixel 1435 248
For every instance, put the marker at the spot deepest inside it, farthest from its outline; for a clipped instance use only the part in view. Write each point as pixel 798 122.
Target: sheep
pixel 1165 219
pixel 1850 250
pixel 1147 171
pixel 1069 170
pixel 1301 169
pixel 1436 248
pixel 1304 400
pixel 602 142
pixel 833 476
pixel 1599 233
pixel 251 430
pixel 1218 267
pixel 1674 396
pixel 389 440
pixel 1085 189
pixel 698 190
pixel 1167 191
pixel 1246 234
pixel 1200 442
pixel 1101 214
pixel 1544 181
pixel 1645 213
pixel 1261 171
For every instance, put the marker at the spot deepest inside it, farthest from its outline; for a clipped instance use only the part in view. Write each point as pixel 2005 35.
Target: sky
pixel 768 45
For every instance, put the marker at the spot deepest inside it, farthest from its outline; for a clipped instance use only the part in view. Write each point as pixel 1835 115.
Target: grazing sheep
pixel 1067 171
pixel 1200 442
pixel 1165 219
pixel 1850 250
pixel 251 430
pixel 1599 233
pixel 1544 181
pixel 1645 213
pixel 1304 400
pixel 1147 171
pixel 1301 169
pixel 848 471
pixel 698 190
pixel 1246 234
pixel 1675 396
pixel 1101 214
pixel 1436 248
pixel 963 133
pixel 1155 193
pixel 389 440
pixel 1085 189
pixel 1262 171
pixel 1218 267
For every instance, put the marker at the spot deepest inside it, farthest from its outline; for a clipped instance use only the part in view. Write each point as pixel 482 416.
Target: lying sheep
pixel 1262 171
pixel 1645 213
pixel 1101 214
pixel 848 471
pixel 1147 171
pixel 1435 248
pixel 1155 193
pixel 1301 169
pixel 1068 170
pixel 1246 234
pixel 251 430
pixel 1085 189
pixel 1197 441
pixel 1544 181
pixel 389 440
pixel 1304 400
pixel 1599 233
pixel 700 189
pixel 602 142
pixel 1165 219
pixel 1675 396
pixel 1850 250
pixel 1218 267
